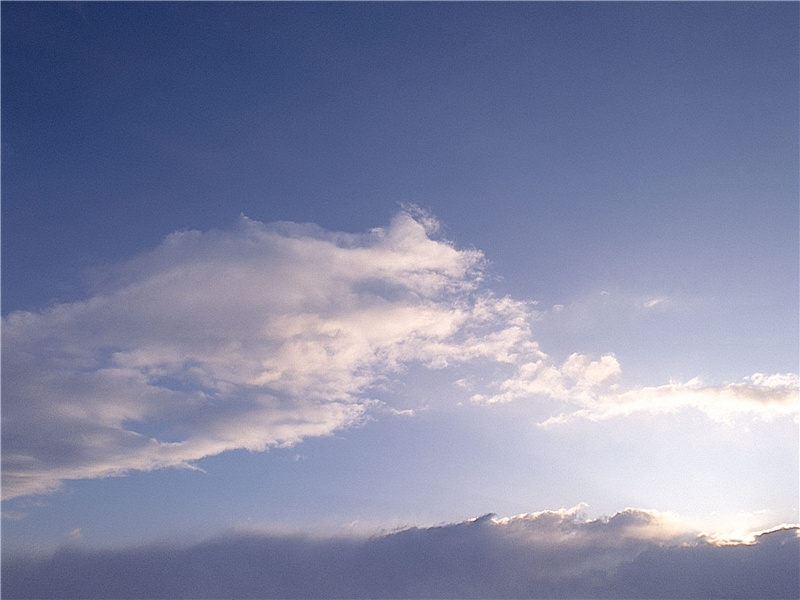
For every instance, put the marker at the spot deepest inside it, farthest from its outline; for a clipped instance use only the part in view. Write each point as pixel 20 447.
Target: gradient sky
pixel 352 267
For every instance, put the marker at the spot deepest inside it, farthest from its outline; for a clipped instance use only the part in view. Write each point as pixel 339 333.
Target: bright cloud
pixel 765 397
pixel 590 389
pixel 256 337
pixel 265 335
pixel 577 379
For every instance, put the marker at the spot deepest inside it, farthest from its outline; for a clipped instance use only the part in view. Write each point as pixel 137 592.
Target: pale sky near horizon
pixel 339 268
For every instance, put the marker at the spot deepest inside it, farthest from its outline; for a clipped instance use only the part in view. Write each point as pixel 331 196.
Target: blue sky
pixel 337 269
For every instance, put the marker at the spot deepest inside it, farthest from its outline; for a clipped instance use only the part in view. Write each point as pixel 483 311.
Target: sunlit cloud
pixel 745 537
pixel 761 396
pixel 265 335
pixel 591 389
pixel 570 527
pixel 260 336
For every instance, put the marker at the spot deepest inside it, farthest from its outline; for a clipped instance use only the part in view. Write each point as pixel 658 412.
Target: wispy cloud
pixel 654 302
pixel 590 389
pixel 264 335
pixel 552 554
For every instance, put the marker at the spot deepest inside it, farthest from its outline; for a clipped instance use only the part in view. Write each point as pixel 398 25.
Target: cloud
pixel 250 338
pixel 577 379
pixel 548 554
pixel 765 569
pixel 654 302
pixel 264 335
pixel 762 396
pixel 590 389
pixel 767 396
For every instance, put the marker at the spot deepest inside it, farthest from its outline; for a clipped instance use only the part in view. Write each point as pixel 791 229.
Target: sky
pixel 435 290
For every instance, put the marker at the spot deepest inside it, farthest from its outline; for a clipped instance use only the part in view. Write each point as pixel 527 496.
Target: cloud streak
pixel 549 554
pixel 264 335
pixel 590 389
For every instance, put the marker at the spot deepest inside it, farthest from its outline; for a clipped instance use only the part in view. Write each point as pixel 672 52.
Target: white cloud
pixel 265 335
pixel 568 526
pixel 764 397
pixel 574 381
pixel 654 302
pixel 256 337
pixel 589 389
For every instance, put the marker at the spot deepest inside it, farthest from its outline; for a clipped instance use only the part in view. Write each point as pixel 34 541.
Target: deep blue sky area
pixel 275 271
pixel 662 137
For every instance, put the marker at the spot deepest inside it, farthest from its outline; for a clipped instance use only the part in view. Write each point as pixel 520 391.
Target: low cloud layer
pixel 264 335
pixel 550 554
